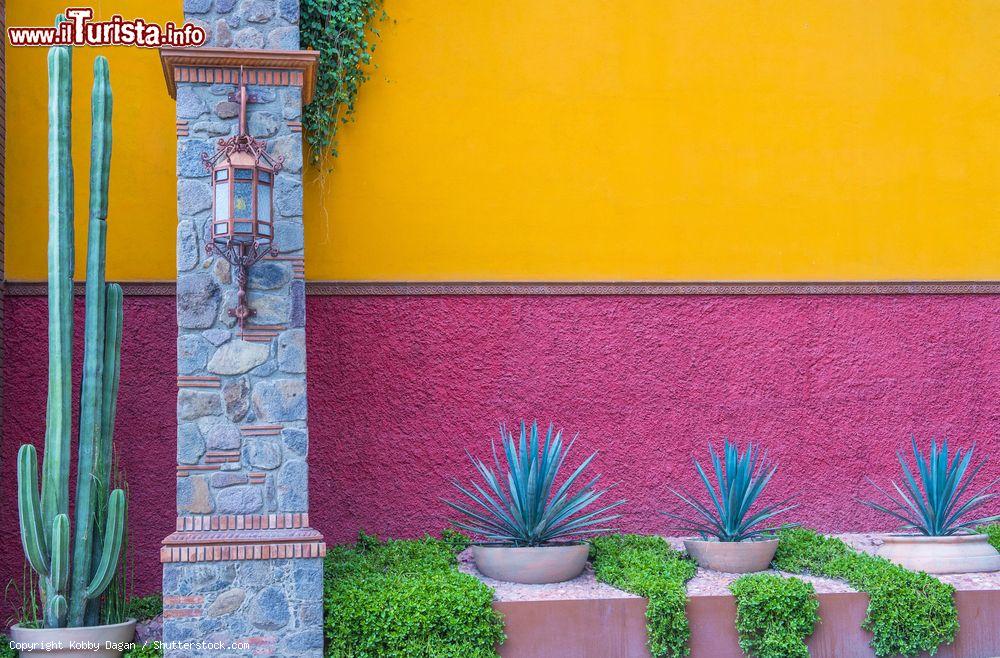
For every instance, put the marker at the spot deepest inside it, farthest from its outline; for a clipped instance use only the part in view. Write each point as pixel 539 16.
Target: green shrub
pixel 406 599
pixel 907 613
pixel 5 650
pixel 144 607
pixel 148 650
pixel 647 566
pixel 774 615
pixel 993 531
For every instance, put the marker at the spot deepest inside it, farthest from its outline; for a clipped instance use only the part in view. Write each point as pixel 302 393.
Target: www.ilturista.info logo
pixel 80 30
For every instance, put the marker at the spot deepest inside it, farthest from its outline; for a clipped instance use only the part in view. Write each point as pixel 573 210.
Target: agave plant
pixel 521 504
pixel 933 508
pixel 739 482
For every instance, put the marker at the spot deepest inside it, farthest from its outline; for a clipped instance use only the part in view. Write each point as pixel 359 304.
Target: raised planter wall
pixel 600 628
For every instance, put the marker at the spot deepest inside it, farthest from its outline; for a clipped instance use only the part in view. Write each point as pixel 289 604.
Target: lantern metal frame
pixel 242 248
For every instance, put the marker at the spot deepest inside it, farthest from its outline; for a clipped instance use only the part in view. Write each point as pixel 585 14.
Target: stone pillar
pixel 243 571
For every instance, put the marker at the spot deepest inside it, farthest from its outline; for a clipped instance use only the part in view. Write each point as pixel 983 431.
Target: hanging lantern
pixel 242 208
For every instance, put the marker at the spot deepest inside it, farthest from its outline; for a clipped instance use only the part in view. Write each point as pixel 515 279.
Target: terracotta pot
pixel 732 556
pixel 533 565
pixel 953 554
pixel 79 642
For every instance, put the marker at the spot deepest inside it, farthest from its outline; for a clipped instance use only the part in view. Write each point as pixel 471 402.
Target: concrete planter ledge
pixel 584 618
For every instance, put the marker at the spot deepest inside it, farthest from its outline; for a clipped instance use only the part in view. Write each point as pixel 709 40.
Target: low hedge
pixel 648 567
pixel 406 599
pixel 908 612
pixel 993 532
pixel 774 615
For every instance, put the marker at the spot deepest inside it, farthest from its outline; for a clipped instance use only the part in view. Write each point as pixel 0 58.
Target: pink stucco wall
pixel 399 387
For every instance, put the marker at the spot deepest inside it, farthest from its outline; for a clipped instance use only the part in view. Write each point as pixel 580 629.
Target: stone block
pixel 264 454
pixel 293 482
pixel 216 336
pixel 248 37
pixel 283 38
pixel 227 602
pixel 227 109
pixel 288 196
pixel 189 162
pixel 197 301
pixel 256 11
pixel 263 124
pixel 239 499
pixel 298 296
pixel 197 6
pixel 222 479
pixel 189 104
pixel 288 236
pixel 292 351
pixel 237 357
pixel 219 434
pixel 190 444
pixel 289 10
pixel 268 610
pixel 236 395
pixel 279 400
pixel 192 353
pixel 290 148
pixel 296 440
pixel 223 34
pixel 269 308
pixel 269 275
pixel 212 128
pixel 187 246
pixel 193 495
pixel 194 404
pixel 193 197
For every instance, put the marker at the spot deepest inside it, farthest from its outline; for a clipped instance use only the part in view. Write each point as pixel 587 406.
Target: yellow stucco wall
pixel 142 205
pixel 596 140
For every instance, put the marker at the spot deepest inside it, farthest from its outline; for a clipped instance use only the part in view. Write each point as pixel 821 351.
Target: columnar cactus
pixel 72 593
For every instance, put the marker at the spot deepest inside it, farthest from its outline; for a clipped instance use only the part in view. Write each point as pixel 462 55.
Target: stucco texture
pixel 400 387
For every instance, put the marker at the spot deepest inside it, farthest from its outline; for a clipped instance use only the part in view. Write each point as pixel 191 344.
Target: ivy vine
pixel 344 32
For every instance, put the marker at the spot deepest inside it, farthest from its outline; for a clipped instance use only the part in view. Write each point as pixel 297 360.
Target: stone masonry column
pixel 243 571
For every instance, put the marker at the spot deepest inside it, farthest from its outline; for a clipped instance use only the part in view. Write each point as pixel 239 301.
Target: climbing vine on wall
pixel 344 32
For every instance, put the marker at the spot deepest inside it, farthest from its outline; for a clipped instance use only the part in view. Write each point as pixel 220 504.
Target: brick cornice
pixel 177 61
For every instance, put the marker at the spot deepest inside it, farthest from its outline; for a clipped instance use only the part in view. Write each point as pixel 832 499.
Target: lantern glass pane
pixel 222 200
pixel 264 230
pixel 222 174
pixel 264 176
pixel 242 199
pixel 243 174
pixel 221 228
pixel 244 227
pixel 264 202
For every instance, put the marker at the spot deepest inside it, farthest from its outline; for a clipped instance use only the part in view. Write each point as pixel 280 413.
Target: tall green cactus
pixel 72 591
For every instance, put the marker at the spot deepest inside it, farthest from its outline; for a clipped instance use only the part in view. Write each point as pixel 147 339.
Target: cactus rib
pixel 29 510
pixel 113 536
pixel 60 552
pixel 92 386
pixel 55 478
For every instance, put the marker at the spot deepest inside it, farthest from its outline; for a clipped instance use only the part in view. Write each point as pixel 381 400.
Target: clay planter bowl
pixel 732 556
pixel 532 565
pixel 952 554
pixel 33 641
